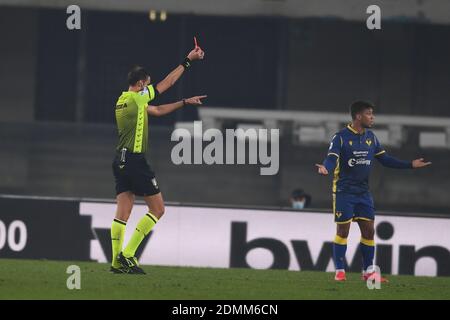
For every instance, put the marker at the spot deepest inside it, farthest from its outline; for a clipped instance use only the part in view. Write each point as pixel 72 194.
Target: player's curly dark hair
pixel 359 106
pixel 136 74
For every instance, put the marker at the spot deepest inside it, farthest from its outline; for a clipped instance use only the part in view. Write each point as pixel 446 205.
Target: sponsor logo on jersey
pixel 353 162
pixel 360 153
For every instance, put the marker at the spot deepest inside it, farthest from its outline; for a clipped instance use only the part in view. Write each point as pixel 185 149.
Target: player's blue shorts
pixel 348 207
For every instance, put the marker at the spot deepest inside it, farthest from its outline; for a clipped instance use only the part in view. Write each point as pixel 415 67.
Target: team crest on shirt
pixel 369 142
pixel 350 142
pixel 338 214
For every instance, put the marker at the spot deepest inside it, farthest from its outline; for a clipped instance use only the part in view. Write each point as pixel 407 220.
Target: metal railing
pixel 390 128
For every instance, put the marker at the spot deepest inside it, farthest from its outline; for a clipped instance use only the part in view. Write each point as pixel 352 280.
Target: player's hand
pixel 195 101
pixel 321 169
pixel 196 54
pixel 420 163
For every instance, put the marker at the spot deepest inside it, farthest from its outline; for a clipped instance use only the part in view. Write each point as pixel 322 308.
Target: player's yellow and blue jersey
pixel 350 158
pixel 132 119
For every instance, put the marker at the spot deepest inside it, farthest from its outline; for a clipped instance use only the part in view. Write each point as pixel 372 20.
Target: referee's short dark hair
pixel 360 106
pixel 136 74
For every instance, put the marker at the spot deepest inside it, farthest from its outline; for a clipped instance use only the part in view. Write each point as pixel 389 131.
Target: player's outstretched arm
pixel 331 161
pixel 196 54
pixel 420 163
pixel 392 162
pixel 328 165
pixel 164 109
pixel 321 169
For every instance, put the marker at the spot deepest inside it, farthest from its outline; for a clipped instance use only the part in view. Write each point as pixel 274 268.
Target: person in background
pixel 300 200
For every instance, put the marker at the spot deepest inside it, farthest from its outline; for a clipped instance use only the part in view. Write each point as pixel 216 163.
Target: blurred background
pixel 288 64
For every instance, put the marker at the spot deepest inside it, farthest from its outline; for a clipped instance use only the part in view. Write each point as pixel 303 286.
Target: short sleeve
pixel 149 93
pixel 152 92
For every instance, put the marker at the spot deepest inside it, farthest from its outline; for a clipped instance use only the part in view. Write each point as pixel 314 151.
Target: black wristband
pixel 184 102
pixel 187 63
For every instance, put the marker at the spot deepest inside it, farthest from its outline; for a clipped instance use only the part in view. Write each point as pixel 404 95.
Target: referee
pixel 133 175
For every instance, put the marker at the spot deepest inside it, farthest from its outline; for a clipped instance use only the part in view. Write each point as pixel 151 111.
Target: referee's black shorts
pixel 133 173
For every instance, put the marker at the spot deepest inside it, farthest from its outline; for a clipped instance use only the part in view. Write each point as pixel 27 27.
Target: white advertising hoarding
pixel 301 240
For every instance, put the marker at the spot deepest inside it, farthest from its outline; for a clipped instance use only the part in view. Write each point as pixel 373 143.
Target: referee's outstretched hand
pixel 420 163
pixel 321 169
pixel 195 101
pixel 196 54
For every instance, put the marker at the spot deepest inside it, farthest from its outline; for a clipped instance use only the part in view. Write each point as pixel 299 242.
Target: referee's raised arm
pixel 196 54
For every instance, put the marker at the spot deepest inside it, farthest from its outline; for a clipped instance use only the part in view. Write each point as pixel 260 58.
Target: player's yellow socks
pixel 143 228
pixel 117 235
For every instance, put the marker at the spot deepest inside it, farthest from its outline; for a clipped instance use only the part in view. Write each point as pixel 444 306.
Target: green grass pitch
pixel 40 279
